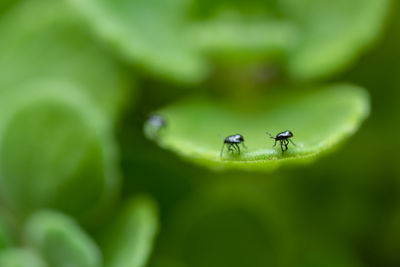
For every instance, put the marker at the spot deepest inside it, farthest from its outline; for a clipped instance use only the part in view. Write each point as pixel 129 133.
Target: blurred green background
pixel 81 185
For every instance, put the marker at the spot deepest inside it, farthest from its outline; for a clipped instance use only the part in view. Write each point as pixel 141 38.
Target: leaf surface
pixel 67 160
pixel 61 241
pixel 148 34
pixel 319 119
pixel 129 239
pixel 19 257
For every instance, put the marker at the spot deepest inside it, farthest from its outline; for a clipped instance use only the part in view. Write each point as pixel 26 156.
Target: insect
pixel 283 138
pixel 154 125
pixel 233 141
pixel 157 121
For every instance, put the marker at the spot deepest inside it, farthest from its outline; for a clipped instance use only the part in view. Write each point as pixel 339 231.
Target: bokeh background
pixel 81 185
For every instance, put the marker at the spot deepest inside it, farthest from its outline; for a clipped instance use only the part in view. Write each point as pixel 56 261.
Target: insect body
pixel 283 138
pixel 154 126
pixel 157 121
pixel 233 142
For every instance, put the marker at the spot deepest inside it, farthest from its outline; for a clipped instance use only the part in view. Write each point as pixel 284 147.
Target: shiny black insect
pixel 283 138
pixel 233 142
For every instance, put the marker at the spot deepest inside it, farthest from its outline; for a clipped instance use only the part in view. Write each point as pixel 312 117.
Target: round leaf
pixel 45 39
pixel 128 241
pixel 148 34
pixel 61 241
pixel 319 120
pixel 18 257
pixel 233 37
pixel 317 38
pixel 56 151
pixel 333 33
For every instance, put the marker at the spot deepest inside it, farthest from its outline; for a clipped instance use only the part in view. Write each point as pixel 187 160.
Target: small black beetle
pixel 233 141
pixel 283 138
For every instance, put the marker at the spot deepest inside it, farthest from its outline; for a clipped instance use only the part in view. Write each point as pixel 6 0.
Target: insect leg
pixel 275 142
pixel 286 144
pixel 238 148
pixel 282 146
pixel 230 148
pixel 234 146
pixel 292 142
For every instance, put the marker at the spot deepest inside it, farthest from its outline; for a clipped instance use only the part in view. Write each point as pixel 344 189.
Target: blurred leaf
pixel 208 8
pixel 316 37
pixel 241 31
pixel 324 250
pixel 44 38
pixel 6 239
pixel 9 228
pixel 334 33
pixel 67 160
pixel 166 263
pixel 129 239
pixel 61 241
pixel 18 257
pixel 319 120
pixel 5 5
pixel 233 37
pixel 231 222
pixel 147 33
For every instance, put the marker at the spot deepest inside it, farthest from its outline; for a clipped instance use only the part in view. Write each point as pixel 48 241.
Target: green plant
pixel 78 78
pixel 320 119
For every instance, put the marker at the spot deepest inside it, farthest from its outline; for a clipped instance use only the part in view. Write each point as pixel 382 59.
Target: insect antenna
pixel 292 142
pixel 222 149
pixel 270 135
pixel 223 145
pixel 244 145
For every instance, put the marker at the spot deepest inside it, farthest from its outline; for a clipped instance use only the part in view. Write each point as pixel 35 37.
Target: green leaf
pixel 128 241
pixel 166 263
pixel 6 238
pixel 241 31
pixel 18 257
pixel 333 33
pixel 5 5
pixel 148 34
pixel 319 120
pixel 45 39
pixel 230 222
pixel 233 37
pixel 67 160
pixel 61 241
pixel 314 38
pixel 329 254
pixel 9 228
